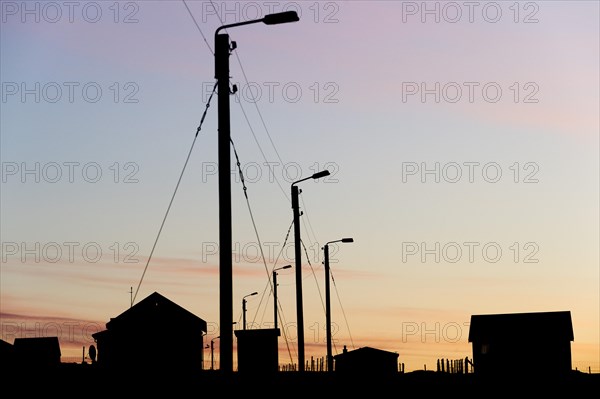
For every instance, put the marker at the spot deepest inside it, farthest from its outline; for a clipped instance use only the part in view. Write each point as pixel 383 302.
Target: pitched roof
pixel 366 351
pixel 4 344
pixel 155 306
pixel 535 325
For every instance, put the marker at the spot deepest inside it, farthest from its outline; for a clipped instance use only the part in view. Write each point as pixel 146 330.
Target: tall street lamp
pixel 275 290
pixel 328 302
pixel 212 352
pixel 222 52
pixel 244 306
pixel 206 347
pixel 298 256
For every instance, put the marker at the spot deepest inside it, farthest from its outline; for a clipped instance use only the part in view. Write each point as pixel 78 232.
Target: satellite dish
pixel 92 353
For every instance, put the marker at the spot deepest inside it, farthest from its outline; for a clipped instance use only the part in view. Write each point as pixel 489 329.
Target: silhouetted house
pixel 258 350
pixel 525 344
pixel 155 334
pixel 366 360
pixel 37 352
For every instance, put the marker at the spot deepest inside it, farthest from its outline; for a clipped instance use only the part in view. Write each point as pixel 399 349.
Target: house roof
pixel 365 351
pixel 536 325
pixel 5 346
pixel 37 345
pixel 154 307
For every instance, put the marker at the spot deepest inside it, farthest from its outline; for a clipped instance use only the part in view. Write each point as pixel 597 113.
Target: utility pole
pixel 222 51
pixel 244 312
pixel 328 300
pixel 275 291
pixel 275 297
pixel 298 256
pixel 328 310
pixel 212 353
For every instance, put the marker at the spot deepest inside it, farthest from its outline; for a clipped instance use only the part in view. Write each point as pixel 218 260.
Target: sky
pixel 461 140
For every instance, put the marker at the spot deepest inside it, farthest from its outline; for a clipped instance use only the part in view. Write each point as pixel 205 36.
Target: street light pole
pixel 298 256
pixel 328 301
pixel 206 347
pixel 222 51
pixel 225 234
pixel 212 352
pixel 275 297
pixel 275 291
pixel 244 306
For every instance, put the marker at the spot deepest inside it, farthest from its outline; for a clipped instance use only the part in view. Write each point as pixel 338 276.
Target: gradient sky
pixel 462 142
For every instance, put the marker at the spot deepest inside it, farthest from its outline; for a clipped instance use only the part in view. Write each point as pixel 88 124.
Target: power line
pixel 260 148
pixel 343 312
pixel 251 214
pixel 198 26
pixel 258 110
pixel 314 275
pixel 281 315
pixel 175 191
pixel 308 222
pixel 262 254
pixel 184 165
pixel 269 282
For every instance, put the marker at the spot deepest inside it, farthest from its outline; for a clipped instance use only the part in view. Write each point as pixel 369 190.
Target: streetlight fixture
pixel 244 306
pixel 298 256
pixel 222 52
pixel 327 301
pixel 275 290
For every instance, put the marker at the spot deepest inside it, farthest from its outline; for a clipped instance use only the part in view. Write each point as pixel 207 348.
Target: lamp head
pixel 347 240
pixel 281 18
pixel 318 175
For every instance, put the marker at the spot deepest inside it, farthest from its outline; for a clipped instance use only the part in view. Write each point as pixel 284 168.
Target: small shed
pixel 366 360
pixel 258 350
pixel 522 343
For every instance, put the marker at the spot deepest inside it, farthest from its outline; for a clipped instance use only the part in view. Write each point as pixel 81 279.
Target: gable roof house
pixel 522 344
pixel 154 334
pixel 366 360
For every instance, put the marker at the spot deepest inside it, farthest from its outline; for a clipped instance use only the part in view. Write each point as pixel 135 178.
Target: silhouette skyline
pixel 459 205
pixel 174 359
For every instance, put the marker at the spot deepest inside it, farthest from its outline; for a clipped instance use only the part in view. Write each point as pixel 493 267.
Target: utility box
pixel 258 351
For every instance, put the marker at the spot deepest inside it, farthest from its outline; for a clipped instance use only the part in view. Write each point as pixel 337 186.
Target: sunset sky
pixel 462 140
